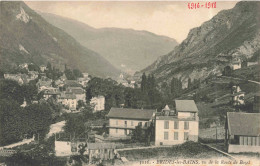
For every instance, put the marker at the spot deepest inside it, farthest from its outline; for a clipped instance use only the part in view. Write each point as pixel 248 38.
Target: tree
pixel 75 125
pixel 10 89
pixel 11 122
pixel 37 119
pixel 144 83
pixel 227 71
pixel 176 87
pixel 189 83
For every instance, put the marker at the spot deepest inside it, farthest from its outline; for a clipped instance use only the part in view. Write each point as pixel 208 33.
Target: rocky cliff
pixel 230 35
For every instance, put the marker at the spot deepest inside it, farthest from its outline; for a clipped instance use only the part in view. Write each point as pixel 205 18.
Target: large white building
pixel 123 120
pixel 98 103
pixel 69 100
pixel 176 127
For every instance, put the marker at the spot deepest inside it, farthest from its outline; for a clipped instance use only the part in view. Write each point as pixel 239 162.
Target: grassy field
pixel 184 151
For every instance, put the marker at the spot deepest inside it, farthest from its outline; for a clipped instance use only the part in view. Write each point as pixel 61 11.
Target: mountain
pixel 230 35
pixel 26 37
pixel 127 49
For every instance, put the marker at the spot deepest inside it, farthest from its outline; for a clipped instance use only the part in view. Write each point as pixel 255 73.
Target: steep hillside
pixel 229 35
pixel 130 50
pixel 26 37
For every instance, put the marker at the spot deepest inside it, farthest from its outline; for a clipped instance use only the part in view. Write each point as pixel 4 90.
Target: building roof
pixel 166 108
pixel 186 106
pixel 247 124
pixel 95 146
pixel 76 90
pixel 128 113
pixel 67 96
pixel 72 83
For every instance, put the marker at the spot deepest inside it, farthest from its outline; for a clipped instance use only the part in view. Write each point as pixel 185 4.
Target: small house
pixel 101 151
pixel 242 132
pixel 237 96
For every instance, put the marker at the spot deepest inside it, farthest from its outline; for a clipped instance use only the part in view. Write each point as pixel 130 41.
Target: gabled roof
pixel 247 124
pixel 76 90
pixel 128 113
pixel 67 96
pixel 186 106
pixel 72 83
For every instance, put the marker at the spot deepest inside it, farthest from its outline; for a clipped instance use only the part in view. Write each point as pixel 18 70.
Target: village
pixel 122 128
pixel 129 83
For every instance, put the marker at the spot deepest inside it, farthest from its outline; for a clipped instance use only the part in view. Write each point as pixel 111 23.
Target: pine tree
pixel 144 83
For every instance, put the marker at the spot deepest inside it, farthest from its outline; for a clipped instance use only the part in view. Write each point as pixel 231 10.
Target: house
pixel 69 100
pixel 177 126
pixel 83 81
pixel 51 92
pixel 85 75
pixel 242 132
pixel 43 83
pixel 20 78
pixel 71 83
pixel 101 151
pixel 79 93
pixel 252 63
pixel 63 77
pixel 67 148
pixel 24 66
pixel 237 96
pixel 98 103
pixel 43 68
pixel 236 64
pixel 32 75
pixel 123 120
pixel 256 104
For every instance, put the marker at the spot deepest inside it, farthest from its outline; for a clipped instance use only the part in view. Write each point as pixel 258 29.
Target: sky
pixel 173 19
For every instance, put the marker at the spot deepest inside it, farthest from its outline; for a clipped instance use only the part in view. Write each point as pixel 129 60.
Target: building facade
pixel 98 103
pixel 69 100
pixel 122 121
pixel 237 96
pixel 177 126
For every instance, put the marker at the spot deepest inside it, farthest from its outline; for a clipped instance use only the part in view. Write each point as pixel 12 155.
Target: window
pixel 176 136
pixel 125 123
pixel 176 125
pixel 132 123
pixel 165 135
pixel 166 124
pixel 186 125
pixel 116 130
pixel 186 136
pixel 116 122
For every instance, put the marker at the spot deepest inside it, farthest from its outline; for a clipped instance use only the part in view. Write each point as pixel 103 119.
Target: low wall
pixel 243 148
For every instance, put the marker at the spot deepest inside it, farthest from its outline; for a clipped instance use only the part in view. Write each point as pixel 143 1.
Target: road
pixel 240 79
pixel 56 128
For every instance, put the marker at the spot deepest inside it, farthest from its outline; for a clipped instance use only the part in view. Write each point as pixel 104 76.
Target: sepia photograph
pixel 138 83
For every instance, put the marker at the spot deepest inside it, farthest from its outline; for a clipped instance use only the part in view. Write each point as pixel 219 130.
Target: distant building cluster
pixel 64 91
pixel 127 83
